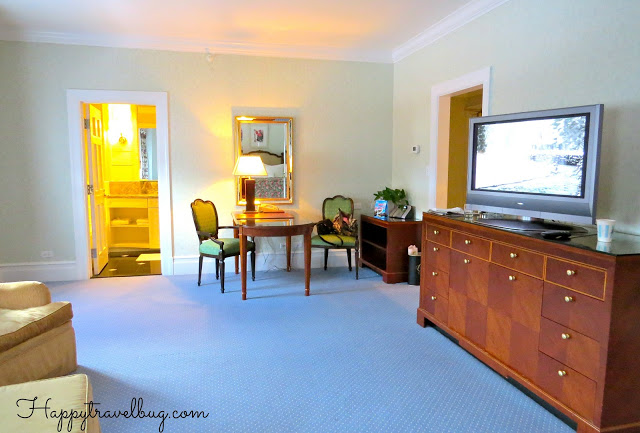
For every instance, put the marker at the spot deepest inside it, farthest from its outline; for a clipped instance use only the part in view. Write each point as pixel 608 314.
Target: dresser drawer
pixel 438 256
pixel 436 280
pixel 438 234
pixel 470 276
pixel 585 314
pixel 515 294
pixel 435 304
pixel 567 385
pixel 568 346
pixel 471 245
pixel 580 278
pixel 521 260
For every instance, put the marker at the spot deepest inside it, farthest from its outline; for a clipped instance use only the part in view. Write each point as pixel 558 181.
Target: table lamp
pixel 249 166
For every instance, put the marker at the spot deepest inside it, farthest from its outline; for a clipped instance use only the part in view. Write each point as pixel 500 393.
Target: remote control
pixel 558 235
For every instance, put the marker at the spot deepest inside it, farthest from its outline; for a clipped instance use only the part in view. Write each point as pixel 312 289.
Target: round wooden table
pixel 273 225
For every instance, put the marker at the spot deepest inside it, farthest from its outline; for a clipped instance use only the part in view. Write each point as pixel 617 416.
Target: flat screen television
pixel 540 165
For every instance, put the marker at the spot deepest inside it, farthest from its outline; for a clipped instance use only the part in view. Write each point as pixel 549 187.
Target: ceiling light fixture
pixel 209 56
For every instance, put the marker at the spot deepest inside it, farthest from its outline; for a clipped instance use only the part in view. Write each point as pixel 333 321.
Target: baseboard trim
pixel 183 265
pixel 188 265
pixel 39 271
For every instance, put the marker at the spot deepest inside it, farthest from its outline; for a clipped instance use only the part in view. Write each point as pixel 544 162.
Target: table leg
pixel 235 235
pixel 307 261
pixel 243 265
pixel 288 253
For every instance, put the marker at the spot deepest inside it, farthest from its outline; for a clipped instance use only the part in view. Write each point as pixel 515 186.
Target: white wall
pixel 543 54
pixel 342 130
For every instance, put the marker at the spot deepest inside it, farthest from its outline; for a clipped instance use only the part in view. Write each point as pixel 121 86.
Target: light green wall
pixel 543 54
pixel 340 110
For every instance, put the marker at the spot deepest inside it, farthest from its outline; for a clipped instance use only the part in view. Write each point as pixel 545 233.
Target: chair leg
pixel 326 258
pixel 357 256
pixel 222 276
pixel 217 269
pixel 253 265
pixel 200 269
pixel 349 258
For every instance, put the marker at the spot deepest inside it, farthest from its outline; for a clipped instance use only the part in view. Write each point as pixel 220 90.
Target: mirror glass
pixel 271 139
pixel 148 149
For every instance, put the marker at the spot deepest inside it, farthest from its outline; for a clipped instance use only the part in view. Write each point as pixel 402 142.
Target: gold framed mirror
pixel 270 138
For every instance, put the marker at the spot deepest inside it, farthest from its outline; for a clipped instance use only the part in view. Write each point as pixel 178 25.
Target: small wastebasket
pixel 414 270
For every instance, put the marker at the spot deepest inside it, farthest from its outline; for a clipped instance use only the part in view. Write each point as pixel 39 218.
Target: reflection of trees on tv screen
pixel 541 156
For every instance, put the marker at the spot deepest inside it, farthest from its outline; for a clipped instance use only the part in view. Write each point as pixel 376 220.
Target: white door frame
pixel 75 97
pixel 481 77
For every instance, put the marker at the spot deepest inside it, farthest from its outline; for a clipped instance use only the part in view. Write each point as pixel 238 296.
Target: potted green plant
pixel 396 196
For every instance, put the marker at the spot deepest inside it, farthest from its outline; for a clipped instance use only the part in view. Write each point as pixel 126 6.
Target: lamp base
pixel 250 194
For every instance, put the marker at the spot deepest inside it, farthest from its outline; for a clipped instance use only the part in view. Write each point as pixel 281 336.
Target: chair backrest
pixel 205 217
pixel 330 206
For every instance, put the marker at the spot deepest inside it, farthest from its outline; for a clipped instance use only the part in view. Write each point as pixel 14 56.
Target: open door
pixel 94 151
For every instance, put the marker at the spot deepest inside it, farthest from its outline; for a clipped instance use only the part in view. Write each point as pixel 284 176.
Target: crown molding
pixel 200 46
pixel 457 19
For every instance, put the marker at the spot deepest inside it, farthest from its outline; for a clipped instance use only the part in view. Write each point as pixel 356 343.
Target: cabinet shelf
pixel 129 226
pixel 383 246
pixel 134 234
pixel 130 245
pixel 374 244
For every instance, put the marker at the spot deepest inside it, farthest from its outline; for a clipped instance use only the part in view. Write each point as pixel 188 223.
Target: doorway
pixel 122 189
pixel 138 218
pixel 453 103
pixel 463 106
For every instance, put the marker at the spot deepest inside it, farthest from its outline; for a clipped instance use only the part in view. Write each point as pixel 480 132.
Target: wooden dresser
pixel 560 318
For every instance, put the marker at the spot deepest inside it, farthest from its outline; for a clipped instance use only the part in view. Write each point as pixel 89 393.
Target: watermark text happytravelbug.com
pixel 66 417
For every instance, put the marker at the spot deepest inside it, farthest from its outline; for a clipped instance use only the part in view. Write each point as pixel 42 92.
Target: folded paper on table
pixel 450 211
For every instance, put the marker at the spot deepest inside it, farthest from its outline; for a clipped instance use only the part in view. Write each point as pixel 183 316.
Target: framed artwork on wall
pixel 259 135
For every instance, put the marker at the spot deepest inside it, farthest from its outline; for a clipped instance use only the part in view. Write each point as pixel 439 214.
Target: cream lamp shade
pixel 249 166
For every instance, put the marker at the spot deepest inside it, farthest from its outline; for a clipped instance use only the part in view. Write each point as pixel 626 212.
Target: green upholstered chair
pixel 330 208
pixel 205 217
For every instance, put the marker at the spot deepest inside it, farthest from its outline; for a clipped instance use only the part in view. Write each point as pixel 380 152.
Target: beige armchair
pixel 68 393
pixel 37 340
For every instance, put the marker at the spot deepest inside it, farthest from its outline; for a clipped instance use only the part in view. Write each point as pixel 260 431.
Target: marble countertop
pixel 131 196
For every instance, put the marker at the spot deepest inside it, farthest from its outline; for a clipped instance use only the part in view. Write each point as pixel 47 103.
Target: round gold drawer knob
pixel 466 261
pixel 434 273
pixel 436 249
pixel 568 299
pixel 513 255
pixel 433 298
pixel 565 336
pixel 570 272
pixel 467 241
pixel 512 277
pixel 562 373
pixel 436 232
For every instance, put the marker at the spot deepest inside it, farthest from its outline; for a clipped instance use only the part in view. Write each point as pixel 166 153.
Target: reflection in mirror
pixel 270 139
pixel 147 141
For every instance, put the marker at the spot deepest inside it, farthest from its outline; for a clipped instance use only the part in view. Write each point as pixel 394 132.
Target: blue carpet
pixel 349 358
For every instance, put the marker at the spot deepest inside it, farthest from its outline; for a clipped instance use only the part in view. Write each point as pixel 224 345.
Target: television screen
pixel 538 156
pixel 539 164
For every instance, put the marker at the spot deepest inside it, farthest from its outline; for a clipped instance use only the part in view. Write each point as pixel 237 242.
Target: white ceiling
pixel 363 30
